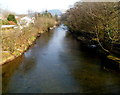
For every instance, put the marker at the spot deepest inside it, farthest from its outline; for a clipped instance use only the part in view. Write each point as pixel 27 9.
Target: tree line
pixel 96 21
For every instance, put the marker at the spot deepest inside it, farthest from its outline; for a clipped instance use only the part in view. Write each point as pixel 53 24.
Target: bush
pixel 4 22
pixel 11 18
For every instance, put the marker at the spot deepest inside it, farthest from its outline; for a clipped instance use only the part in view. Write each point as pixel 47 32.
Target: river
pixel 57 64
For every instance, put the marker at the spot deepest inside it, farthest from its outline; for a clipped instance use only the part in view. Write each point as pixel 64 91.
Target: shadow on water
pixel 57 64
pixel 86 66
pixel 8 70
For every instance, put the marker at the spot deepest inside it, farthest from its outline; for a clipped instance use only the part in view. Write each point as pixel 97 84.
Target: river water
pixel 57 64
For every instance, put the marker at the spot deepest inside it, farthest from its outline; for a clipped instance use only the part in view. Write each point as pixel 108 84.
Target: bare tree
pixel 100 19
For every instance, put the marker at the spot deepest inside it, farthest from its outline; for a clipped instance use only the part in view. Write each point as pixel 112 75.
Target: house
pixel 4 27
pixel 11 22
pixel 25 21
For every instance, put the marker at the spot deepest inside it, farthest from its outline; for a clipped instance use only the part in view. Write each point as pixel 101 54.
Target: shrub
pixel 4 22
pixel 11 18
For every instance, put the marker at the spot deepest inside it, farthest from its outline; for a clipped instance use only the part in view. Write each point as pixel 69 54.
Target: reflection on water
pixel 8 70
pixel 56 64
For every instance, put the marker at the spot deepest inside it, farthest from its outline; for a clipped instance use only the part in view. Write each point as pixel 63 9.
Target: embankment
pixel 15 42
pixel 93 46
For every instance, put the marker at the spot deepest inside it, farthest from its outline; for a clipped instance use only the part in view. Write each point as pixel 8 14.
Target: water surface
pixel 56 64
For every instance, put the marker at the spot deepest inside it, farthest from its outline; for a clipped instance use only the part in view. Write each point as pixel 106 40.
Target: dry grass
pixel 15 42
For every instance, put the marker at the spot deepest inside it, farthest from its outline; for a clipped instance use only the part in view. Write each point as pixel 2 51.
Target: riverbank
pixel 92 46
pixel 16 42
pixel 93 25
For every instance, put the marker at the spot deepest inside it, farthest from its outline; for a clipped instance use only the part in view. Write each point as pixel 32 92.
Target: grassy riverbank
pixel 15 41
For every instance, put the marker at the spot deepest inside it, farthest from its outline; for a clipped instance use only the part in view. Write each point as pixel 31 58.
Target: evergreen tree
pixel 11 17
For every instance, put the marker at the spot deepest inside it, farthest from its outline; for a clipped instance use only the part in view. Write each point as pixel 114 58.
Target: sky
pixel 22 6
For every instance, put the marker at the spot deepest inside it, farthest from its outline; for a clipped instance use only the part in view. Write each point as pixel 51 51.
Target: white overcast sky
pixel 22 6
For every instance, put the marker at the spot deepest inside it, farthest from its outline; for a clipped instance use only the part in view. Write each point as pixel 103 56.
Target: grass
pixel 15 41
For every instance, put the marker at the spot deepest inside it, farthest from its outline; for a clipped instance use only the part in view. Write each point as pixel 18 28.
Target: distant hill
pixel 55 12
